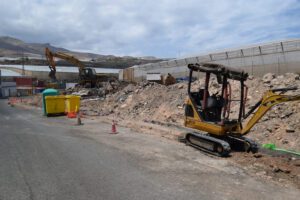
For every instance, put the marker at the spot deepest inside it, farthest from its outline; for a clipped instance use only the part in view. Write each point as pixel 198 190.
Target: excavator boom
pixel 87 75
pixel 52 66
pixel 71 59
pixel 269 99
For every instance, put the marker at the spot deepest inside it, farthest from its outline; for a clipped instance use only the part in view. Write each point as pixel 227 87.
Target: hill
pixel 12 50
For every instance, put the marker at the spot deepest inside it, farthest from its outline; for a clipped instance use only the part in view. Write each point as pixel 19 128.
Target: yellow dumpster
pixel 72 103
pixel 55 105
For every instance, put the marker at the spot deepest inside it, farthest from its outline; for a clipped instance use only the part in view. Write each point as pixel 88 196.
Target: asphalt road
pixel 51 158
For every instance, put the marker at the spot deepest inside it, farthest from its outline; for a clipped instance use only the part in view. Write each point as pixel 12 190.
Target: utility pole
pixel 23 69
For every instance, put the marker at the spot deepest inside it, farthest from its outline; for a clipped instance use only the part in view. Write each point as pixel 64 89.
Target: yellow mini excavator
pixel 217 133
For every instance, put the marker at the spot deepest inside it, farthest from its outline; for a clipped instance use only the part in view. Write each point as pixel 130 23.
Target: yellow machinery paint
pixel 72 103
pixel 214 119
pixel 55 105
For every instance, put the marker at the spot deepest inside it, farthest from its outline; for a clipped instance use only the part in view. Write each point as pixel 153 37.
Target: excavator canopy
pixel 220 70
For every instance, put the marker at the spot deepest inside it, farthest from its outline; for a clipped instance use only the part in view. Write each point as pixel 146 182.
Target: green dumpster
pixel 48 92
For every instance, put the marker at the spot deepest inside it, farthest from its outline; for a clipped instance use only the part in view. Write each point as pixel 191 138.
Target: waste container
pixel 48 92
pixel 55 105
pixel 72 103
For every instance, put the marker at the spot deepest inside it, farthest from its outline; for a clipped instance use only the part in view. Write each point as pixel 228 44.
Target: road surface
pixel 51 158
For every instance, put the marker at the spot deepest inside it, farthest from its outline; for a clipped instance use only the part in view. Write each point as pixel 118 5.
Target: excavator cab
pixel 87 72
pixel 208 109
pixel 88 77
pixel 213 107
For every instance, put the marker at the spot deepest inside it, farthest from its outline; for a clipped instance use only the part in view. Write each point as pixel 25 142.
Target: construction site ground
pixel 88 162
pixel 158 110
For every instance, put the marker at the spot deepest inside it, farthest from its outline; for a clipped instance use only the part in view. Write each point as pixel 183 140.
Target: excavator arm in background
pixel 269 99
pixel 50 59
pixel 71 59
pixel 87 75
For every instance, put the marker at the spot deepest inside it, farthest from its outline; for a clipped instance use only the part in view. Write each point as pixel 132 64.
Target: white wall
pixel 276 57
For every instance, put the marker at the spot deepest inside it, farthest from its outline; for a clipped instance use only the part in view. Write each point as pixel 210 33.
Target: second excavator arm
pixel 269 99
pixel 52 66
pixel 71 59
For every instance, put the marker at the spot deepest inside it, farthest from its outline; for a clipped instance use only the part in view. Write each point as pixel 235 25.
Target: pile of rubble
pixel 152 102
pixel 102 90
pixel 144 101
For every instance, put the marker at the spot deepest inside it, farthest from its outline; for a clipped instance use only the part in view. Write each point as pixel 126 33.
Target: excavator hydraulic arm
pixel 269 99
pixel 71 59
pixel 50 59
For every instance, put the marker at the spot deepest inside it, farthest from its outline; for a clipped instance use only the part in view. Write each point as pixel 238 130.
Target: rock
pixel 180 86
pixel 267 78
pixel 293 158
pixel 288 113
pixel 290 129
pixel 285 141
pixel 285 170
pixel 280 77
pixel 276 169
pixel 250 77
pixel 275 82
pixel 282 116
pixel 276 126
pixel 292 76
pixel 257 155
pixel 297 163
pixel 262 173
pixel 266 134
pixel 281 180
pixel 269 129
pixel 129 88
pixel 272 115
pixel 123 106
pixel 215 85
pixel 265 118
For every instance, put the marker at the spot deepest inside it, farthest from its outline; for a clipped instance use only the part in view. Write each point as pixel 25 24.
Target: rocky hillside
pixel 12 50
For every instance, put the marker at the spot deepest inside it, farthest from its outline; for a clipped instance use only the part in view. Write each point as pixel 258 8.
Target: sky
pixel 161 28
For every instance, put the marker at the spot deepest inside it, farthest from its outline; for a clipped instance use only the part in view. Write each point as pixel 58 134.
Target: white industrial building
pixel 276 57
pixel 8 89
pixel 7 86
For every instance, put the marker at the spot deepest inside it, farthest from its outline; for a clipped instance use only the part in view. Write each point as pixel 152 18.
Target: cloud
pixel 165 28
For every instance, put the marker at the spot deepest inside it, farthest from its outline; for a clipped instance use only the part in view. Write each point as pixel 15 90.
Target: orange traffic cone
pixel 113 128
pixel 71 115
